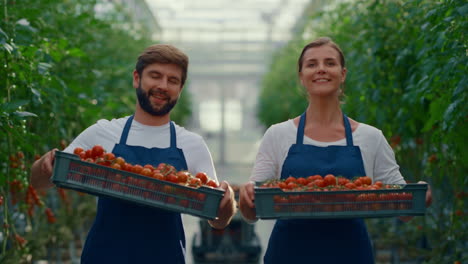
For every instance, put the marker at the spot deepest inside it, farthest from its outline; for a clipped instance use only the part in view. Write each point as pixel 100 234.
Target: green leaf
pixel 5 36
pixel 463 10
pixel 461 87
pixel 43 68
pixel 23 114
pixel 24 23
pixel 75 52
pixel 7 47
pixel 9 106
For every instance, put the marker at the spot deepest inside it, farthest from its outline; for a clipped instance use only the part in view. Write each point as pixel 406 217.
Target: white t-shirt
pixel 107 133
pixel 378 157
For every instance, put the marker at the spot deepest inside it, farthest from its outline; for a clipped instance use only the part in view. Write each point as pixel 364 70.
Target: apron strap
pixel 348 132
pixel 173 135
pixel 300 130
pixel 124 136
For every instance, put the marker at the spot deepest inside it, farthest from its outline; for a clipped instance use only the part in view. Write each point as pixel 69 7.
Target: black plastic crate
pixel 71 172
pixel 274 203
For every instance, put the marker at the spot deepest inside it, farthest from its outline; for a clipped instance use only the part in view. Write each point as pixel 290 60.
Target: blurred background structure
pixel 230 45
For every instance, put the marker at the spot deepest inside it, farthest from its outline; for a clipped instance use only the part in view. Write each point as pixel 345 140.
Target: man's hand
pixel 41 171
pixel 227 207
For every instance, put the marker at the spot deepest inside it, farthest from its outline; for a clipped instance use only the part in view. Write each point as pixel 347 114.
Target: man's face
pixel 158 88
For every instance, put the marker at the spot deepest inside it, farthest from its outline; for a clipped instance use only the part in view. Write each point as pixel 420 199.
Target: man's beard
pixel 145 103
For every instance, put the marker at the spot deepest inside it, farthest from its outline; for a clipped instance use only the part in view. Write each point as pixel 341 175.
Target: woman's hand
pixel 227 207
pixel 246 201
pixel 428 201
pixel 428 193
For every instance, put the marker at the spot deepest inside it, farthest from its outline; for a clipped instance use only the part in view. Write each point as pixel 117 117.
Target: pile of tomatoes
pixel 328 182
pixel 163 172
pixel 318 193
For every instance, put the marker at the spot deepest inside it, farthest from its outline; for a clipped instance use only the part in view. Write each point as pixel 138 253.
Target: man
pixel 124 232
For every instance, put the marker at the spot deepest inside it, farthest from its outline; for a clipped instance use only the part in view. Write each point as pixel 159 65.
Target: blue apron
pixel 125 232
pixel 321 240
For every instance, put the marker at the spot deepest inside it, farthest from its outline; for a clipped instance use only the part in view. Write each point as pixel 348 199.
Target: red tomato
pixel 116 166
pixel 182 176
pixel 292 186
pixel 120 161
pixel 320 183
pixel 89 154
pixel 157 175
pixel 100 161
pixel 290 179
pixel 171 200
pixel 282 185
pixel 366 180
pixel 82 155
pixel 161 166
pixel 358 182
pixel 302 181
pixel 342 181
pixel 127 167
pixel 184 203
pixel 97 151
pixel 146 172
pixel 329 179
pixel 202 176
pixel 350 185
pixel 212 183
pixel 137 169
pixel 78 150
pixel 362 197
pixel 171 178
pixel 195 182
pixel 315 177
pixel 109 156
pixel 378 184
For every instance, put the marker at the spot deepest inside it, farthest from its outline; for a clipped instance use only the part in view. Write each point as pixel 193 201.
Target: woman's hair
pixel 318 43
pixel 165 54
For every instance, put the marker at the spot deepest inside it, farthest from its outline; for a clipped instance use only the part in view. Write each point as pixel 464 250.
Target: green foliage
pixel 282 97
pixel 406 64
pixel 63 67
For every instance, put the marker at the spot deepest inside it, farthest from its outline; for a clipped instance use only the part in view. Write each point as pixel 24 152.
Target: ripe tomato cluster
pixel 327 182
pixel 163 172
pixel 323 195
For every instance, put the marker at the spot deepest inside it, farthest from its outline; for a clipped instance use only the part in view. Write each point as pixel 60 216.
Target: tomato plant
pixel 407 77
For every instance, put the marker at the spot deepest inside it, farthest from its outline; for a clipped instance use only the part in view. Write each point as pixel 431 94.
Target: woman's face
pixel 322 73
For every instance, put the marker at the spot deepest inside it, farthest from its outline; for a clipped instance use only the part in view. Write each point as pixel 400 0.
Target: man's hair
pixel 165 54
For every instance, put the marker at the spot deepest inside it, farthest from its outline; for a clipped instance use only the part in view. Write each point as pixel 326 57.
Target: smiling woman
pixel 321 141
pixel 322 69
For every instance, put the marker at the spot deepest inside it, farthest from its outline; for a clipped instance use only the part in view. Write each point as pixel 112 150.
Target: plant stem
pixel 5 10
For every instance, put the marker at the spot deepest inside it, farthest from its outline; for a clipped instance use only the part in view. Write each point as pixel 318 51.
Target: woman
pixel 323 140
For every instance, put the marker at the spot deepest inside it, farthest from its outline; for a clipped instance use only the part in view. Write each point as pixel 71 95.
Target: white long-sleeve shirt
pixel 378 156
pixel 107 133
